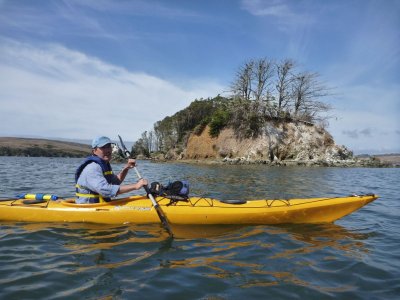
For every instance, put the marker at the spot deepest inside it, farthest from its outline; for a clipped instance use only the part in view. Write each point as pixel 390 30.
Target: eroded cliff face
pixel 290 141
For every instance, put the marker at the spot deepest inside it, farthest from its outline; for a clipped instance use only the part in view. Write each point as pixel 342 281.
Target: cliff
pixel 282 143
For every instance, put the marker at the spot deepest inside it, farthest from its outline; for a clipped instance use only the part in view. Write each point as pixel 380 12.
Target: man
pixel 94 178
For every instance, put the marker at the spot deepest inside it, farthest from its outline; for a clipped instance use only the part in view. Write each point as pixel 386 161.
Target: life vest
pixel 107 173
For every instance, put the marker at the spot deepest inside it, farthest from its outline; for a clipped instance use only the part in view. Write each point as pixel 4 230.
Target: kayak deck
pixel 196 210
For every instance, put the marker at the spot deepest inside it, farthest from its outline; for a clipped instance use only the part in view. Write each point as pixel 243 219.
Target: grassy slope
pixel 25 146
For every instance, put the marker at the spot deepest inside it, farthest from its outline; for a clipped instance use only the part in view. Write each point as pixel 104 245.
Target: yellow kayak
pixel 196 210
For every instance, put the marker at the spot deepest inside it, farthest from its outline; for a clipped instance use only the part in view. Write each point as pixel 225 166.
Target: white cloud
pixel 292 21
pixel 57 92
pixel 275 8
pixel 137 7
pixel 288 16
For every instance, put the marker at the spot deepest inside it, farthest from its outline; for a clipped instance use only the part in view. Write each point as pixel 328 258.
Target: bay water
pixel 357 257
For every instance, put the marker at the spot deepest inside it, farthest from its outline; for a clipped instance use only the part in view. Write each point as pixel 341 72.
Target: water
pixel 358 257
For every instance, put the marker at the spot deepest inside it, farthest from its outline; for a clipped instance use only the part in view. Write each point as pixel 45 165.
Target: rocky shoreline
pixel 369 162
pixel 345 163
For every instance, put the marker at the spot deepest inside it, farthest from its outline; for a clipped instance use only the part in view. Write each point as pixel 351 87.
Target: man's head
pixel 102 147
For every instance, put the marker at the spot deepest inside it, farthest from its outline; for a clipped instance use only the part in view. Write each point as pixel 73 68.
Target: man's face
pixel 103 152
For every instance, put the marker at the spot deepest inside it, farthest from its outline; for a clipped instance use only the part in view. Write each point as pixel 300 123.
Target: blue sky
pixel 80 68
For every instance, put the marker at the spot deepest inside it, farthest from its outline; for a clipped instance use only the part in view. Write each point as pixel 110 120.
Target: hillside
pixel 11 146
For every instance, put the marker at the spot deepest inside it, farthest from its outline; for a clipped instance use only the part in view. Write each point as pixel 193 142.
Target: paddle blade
pixel 163 220
pixel 121 153
pixel 126 151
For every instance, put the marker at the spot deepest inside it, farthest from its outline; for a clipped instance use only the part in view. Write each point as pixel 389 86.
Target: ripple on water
pixel 356 258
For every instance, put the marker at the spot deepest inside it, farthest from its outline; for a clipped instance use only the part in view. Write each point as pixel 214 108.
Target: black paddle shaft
pixel 125 153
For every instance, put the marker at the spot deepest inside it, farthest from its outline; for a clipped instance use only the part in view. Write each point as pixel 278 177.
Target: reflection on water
pixel 262 256
pixel 305 239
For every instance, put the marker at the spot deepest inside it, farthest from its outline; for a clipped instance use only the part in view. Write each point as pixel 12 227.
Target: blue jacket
pixel 88 195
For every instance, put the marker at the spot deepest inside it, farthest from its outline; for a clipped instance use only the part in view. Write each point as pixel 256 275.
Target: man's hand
pixel 142 182
pixel 130 164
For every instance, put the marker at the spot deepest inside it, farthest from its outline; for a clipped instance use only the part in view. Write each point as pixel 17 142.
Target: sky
pixel 76 69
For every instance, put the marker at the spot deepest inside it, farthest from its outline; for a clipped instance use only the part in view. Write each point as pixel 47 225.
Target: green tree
pixel 219 120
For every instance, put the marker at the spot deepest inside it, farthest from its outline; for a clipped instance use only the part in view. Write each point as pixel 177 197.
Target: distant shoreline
pixel 392 158
pixel 11 146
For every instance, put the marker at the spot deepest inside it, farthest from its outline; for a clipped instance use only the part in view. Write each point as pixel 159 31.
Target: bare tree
pixel 152 141
pixel 284 81
pixel 242 86
pixel 307 89
pixel 256 102
pixel 263 72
